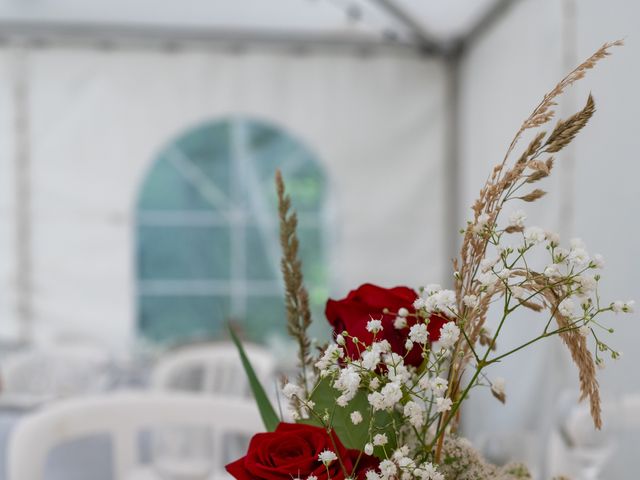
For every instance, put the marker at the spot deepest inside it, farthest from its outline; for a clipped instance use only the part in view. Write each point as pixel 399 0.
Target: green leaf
pixel 268 414
pixel 352 436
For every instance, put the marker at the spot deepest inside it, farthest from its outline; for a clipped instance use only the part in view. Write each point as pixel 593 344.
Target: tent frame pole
pixel 23 240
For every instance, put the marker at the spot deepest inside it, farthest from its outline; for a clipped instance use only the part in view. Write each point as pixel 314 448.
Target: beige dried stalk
pixel 296 295
pixel 581 356
pixel 566 130
pixel 500 187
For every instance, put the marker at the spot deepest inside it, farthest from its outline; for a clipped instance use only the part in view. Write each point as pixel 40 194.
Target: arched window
pixel 207 232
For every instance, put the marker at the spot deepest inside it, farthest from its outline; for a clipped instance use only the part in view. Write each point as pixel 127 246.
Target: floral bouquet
pixel 383 399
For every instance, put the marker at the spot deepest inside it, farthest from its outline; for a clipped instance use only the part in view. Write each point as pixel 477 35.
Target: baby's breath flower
pixel 566 307
pixel 560 255
pixel 327 457
pixel 443 404
pixel 438 386
pixel 441 301
pixel 376 400
pixel 622 307
pixel 480 224
pixel 348 383
pixel 517 218
pixel 428 472
pixel 578 257
pixel 415 413
pixel 400 452
pixel 585 302
pixel 387 398
pixel 487 279
pixel 329 358
pixel 431 289
pixel 503 273
pixel 553 238
pixel 399 323
pixel 587 283
pixel 498 386
pixel 449 334
pixel 291 390
pixel 552 271
pixel 488 263
pixel 597 261
pixel 370 359
pixel 368 448
pixel 470 301
pixel 418 303
pixel 380 439
pixel 418 333
pixel 356 417
pixel 374 326
pixel 534 235
pixel 388 468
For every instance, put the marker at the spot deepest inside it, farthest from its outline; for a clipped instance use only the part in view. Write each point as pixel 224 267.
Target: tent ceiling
pixel 403 21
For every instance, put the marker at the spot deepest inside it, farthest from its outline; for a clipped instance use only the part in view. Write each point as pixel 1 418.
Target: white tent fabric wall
pixel 504 76
pixel 99 118
pixel 498 92
pixel 7 180
pixel 607 194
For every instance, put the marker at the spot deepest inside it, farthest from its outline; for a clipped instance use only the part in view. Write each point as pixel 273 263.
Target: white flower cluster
pixel 570 278
pixel 436 300
pixel 417 395
pixel 402 466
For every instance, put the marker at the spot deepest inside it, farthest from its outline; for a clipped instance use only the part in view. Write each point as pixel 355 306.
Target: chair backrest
pixel 212 368
pixel 123 416
pixel 56 371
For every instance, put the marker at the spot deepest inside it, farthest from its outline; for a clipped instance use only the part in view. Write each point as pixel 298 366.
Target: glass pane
pixel 263 254
pixel 271 150
pixel 265 317
pixel 313 261
pixel 183 252
pixel 166 189
pixel 209 149
pixel 175 319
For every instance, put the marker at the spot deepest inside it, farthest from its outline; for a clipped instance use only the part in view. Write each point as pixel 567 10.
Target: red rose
pixel 292 452
pixel 369 301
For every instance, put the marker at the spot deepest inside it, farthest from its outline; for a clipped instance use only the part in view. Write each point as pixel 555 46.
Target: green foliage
pixel 268 414
pixel 352 436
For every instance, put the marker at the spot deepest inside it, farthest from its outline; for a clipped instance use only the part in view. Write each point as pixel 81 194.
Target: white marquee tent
pixel 406 103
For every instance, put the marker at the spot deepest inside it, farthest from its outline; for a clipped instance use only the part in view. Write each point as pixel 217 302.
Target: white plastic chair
pixel 213 368
pixel 55 371
pixel 123 416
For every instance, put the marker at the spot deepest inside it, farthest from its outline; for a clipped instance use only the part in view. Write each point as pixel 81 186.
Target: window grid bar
pixel 190 218
pixel 207 287
pixel 237 231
